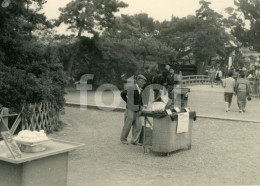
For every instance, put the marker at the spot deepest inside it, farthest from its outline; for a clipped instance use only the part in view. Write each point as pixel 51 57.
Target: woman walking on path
pixel 242 90
pixel 229 88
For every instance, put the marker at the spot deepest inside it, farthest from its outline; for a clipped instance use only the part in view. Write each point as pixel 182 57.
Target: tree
pixel 29 70
pixel 178 34
pixel 250 10
pixel 207 44
pixel 139 33
pixel 89 15
pixel 210 38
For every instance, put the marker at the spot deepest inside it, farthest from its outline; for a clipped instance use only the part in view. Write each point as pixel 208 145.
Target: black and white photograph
pixel 129 92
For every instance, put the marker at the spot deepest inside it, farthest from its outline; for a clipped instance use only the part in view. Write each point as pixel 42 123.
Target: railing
pixel 42 116
pixel 195 79
pixel 204 79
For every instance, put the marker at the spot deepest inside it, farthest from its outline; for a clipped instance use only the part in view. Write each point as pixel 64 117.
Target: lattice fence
pixel 41 116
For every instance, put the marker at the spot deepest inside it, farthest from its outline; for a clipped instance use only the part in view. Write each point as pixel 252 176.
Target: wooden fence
pixel 42 116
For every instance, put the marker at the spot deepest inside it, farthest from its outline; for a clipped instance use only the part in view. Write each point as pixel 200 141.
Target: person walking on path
pixel 242 90
pixel 212 76
pixel 229 88
pixel 236 74
pixel 133 98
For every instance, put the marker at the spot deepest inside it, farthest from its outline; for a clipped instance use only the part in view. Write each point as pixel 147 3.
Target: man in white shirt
pixel 229 88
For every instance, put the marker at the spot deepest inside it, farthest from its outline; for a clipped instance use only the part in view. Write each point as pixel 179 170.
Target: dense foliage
pixel 29 70
pixel 246 22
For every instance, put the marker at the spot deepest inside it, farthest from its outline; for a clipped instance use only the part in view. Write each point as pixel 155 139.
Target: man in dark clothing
pixel 171 81
pixel 165 74
pixel 133 98
pixel 147 74
pixel 157 81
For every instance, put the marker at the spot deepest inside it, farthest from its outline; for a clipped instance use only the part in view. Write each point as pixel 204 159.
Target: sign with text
pixel 11 144
pixel 183 122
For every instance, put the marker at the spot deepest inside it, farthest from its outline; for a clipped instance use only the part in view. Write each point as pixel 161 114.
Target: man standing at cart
pixel 133 98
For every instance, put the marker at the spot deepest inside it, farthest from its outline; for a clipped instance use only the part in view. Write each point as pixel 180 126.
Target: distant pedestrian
pixel 229 88
pixel 218 77
pixel 236 74
pixel 242 90
pixel 212 76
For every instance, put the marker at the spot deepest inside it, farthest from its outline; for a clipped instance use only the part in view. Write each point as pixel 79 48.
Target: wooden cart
pixel 164 137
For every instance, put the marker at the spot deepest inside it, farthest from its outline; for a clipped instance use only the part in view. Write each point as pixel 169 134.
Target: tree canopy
pixel 247 33
pixel 29 70
pixel 90 16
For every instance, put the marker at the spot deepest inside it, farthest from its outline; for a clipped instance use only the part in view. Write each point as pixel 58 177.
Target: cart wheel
pixel 189 147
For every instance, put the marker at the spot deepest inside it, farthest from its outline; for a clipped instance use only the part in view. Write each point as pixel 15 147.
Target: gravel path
pixel 223 153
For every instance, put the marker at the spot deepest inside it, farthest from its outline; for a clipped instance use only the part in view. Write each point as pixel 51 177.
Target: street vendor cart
pixel 171 129
pixel 164 134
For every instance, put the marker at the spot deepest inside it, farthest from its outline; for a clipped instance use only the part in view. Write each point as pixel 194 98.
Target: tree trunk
pixel 205 67
pixel 80 31
pixel 70 65
pixel 72 59
pixel 73 56
pixel 200 66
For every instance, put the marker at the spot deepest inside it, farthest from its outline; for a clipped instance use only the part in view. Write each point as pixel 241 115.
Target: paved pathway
pixel 206 101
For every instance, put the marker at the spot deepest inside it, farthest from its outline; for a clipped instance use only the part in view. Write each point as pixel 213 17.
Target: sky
pixel 158 9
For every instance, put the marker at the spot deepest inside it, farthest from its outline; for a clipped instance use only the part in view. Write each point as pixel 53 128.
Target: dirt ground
pixel 222 153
